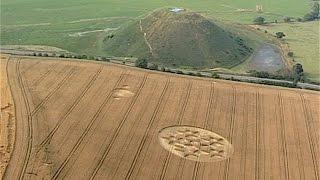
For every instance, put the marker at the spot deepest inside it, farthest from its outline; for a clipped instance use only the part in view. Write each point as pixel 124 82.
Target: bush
pixel 179 72
pixel 62 56
pixel 290 54
pixel 190 74
pixel 280 35
pixel 169 70
pixel 34 54
pixel 39 54
pixel 110 36
pixel 260 74
pixel 265 31
pixel 45 55
pixel 105 59
pixel 215 75
pixel 153 66
pixel 79 56
pixel 84 57
pixel 162 69
pixel 287 19
pixel 259 20
pixel 141 63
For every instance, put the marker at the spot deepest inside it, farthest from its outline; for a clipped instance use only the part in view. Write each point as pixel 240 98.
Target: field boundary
pixel 221 76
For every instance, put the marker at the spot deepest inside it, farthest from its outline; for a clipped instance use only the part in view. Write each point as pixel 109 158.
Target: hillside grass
pixel 183 39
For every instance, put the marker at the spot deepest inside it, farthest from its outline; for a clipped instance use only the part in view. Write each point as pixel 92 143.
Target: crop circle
pixel 195 144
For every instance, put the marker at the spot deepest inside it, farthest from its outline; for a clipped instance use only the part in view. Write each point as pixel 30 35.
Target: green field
pixel 51 22
pixel 303 39
pixel 56 23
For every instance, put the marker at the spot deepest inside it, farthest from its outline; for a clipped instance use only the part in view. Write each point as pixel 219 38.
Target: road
pixel 204 74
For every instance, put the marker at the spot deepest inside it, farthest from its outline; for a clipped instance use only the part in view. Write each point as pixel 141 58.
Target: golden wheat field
pixel 88 120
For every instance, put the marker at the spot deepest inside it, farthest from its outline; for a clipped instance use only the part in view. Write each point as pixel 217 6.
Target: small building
pixel 176 10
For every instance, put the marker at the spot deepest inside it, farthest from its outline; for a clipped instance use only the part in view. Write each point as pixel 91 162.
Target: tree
pixel 297 73
pixel 297 68
pixel 141 63
pixel 259 20
pixel 280 35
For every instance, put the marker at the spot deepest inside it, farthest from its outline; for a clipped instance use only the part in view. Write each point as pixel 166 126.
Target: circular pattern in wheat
pixel 195 144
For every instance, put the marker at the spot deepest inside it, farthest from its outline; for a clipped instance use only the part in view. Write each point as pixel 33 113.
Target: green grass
pixel 303 39
pixel 43 11
pixel 60 13
pixel 21 21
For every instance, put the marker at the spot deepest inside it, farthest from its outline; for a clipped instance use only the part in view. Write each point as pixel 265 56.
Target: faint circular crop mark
pixel 195 144
pixel 122 92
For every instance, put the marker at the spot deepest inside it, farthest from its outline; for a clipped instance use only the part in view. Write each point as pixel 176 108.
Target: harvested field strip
pixel 30 67
pixel 104 114
pixel 29 121
pixel 142 143
pixel 102 141
pixel 8 117
pixel 96 169
pixel 205 125
pixel 64 80
pixel 56 174
pixel 231 129
pixel 180 117
pixel 175 99
pixel 107 121
pixel 283 137
pixel 134 124
pixel 310 137
pixel 78 99
pixel 50 69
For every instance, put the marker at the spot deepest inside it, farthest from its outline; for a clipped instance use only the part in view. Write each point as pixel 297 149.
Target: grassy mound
pixel 180 39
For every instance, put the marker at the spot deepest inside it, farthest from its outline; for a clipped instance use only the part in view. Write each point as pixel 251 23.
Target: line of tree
pixel 62 55
pixel 313 15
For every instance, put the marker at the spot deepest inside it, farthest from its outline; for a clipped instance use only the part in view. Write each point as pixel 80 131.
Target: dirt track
pixel 80 120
